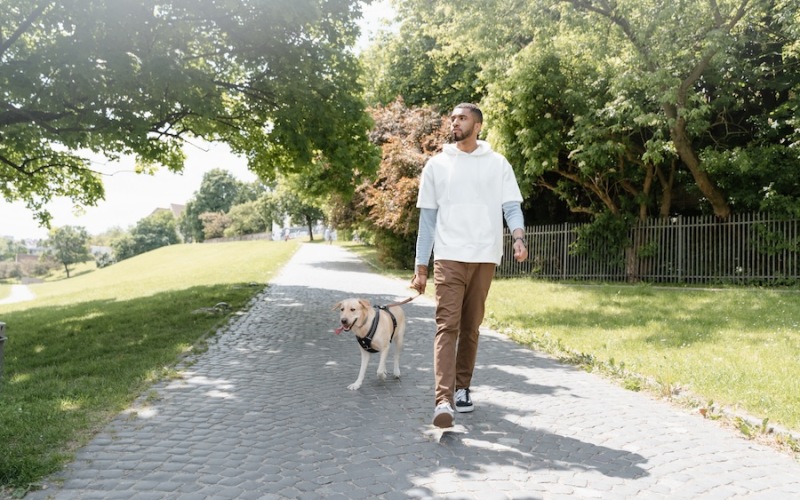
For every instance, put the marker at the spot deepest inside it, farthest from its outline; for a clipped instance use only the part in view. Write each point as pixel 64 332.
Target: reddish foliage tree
pixel 386 205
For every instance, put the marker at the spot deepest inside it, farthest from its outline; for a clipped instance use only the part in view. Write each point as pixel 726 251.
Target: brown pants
pixel 461 290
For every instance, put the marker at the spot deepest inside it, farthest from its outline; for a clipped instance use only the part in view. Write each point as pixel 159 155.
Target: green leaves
pixel 273 78
pixel 69 245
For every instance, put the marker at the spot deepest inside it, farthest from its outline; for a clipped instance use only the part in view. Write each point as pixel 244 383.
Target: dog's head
pixel 352 312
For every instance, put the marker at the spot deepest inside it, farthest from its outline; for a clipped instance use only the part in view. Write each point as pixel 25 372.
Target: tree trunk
pixel 666 189
pixel 648 184
pixel 310 225
pixel 683 146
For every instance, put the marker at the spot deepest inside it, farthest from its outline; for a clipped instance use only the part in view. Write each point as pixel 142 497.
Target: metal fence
pixel 745 249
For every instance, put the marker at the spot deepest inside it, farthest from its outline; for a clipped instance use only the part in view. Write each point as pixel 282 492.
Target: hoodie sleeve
pixel 427 189
pixel 511 190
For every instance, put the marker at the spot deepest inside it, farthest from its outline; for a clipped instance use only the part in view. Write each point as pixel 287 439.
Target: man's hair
pixel 474 109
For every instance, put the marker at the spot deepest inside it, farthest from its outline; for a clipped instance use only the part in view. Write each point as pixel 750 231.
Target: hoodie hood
pixel 483 149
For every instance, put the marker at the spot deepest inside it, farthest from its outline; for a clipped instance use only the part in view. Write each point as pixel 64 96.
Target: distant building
pixel 174 208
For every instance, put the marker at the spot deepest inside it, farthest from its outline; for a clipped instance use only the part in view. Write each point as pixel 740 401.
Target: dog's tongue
pixel 339 330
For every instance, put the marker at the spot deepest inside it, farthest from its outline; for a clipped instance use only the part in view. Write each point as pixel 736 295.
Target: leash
pixel 402 302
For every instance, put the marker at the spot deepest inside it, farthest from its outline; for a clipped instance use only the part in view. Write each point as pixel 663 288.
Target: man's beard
pixel 460 135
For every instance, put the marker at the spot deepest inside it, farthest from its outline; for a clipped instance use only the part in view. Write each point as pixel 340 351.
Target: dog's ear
pixel 364 303
pixel 336 306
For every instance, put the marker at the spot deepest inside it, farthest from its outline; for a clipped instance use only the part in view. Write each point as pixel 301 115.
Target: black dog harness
pixel 366 342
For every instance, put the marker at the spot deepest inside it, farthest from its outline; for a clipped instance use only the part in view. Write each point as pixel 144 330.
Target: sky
pixel 130 196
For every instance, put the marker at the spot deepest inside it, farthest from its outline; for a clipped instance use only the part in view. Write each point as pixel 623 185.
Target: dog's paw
pixel 382 375
pixel 397 374
pixel 354 387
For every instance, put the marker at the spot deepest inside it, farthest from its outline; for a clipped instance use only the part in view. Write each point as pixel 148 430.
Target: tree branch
pixel 26 23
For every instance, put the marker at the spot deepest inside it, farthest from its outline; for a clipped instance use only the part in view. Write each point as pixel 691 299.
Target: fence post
pixel 566 252
pixel 2 344
pixel 680 249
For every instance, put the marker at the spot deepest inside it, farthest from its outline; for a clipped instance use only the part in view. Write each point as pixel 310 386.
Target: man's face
pixel 463 124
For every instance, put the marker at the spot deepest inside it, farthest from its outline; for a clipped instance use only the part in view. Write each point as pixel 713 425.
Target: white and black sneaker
pixel 443 416
pixel 463 401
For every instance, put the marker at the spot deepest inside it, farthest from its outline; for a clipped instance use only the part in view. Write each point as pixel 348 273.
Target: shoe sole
pixel 443 420
pixel 462 409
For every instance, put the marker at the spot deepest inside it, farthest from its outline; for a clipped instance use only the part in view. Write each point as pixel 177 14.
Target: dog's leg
pixel 363 371
pixel 398 346
pixel 382 363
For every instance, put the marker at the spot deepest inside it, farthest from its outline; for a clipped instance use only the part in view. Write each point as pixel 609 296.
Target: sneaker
pixel 443 415
pixel 463 401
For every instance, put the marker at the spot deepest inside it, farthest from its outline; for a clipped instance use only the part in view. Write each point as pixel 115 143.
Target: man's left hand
pixel 520 251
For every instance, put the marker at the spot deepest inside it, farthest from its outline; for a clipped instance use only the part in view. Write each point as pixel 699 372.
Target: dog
pixel 358 316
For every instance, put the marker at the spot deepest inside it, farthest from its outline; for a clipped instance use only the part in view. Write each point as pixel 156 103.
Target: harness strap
pixel 366 341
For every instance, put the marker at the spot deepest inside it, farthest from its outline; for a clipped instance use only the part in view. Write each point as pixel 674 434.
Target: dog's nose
pixel 344 321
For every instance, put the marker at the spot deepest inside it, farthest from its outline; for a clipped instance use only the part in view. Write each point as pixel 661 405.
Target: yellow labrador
pixel 375 328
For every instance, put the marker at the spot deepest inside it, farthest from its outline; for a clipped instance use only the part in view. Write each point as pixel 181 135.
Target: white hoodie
pixel 468 191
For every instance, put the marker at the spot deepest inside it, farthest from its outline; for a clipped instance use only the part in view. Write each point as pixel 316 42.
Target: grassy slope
pixel 86 347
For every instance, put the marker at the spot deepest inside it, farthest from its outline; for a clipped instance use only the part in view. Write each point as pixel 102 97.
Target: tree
pixel 214 224
pixel 10 248
pixel 634 107
pixel 277 81
pixel 69 245
pixel 252 217
pixel 154 231
pixel 385 206
pixel 415 66
pixel 293 199
pixel 218 192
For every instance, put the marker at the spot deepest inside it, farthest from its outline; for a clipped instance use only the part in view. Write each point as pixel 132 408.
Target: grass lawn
pixel 737 348
pixel 86 347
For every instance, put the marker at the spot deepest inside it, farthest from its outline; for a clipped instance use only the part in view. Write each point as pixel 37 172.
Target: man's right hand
pixel 420 279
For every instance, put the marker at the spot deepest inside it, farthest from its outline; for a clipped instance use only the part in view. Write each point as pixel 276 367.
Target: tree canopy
pixel 628 107
pixel 275 79
pixel 154 231
pixel 69 245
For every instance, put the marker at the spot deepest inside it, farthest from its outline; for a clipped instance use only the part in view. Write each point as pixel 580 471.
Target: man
pixel 464 193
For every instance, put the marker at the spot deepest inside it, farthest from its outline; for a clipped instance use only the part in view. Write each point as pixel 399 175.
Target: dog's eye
pixel 352 309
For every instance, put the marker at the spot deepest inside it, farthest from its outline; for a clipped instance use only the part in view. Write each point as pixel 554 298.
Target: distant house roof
pixel 175 208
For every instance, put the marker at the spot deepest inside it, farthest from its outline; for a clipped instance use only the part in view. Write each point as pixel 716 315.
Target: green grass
pixel 86 347
pixel 736 347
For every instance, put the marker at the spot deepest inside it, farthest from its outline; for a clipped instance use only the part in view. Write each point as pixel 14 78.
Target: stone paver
pixel 265 413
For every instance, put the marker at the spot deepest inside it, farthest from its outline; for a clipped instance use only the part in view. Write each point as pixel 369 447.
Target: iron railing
pixel 744 249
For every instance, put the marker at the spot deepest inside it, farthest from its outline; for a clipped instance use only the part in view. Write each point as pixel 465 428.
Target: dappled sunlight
pixel 200 380
pixel 80 319
pixel 68 405
pixel 146 412
pixel 498 446
pixel 20 378
pixel 220 394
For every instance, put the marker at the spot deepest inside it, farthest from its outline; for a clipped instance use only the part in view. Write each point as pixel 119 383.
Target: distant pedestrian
pixel 328 235
pixel 464 193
